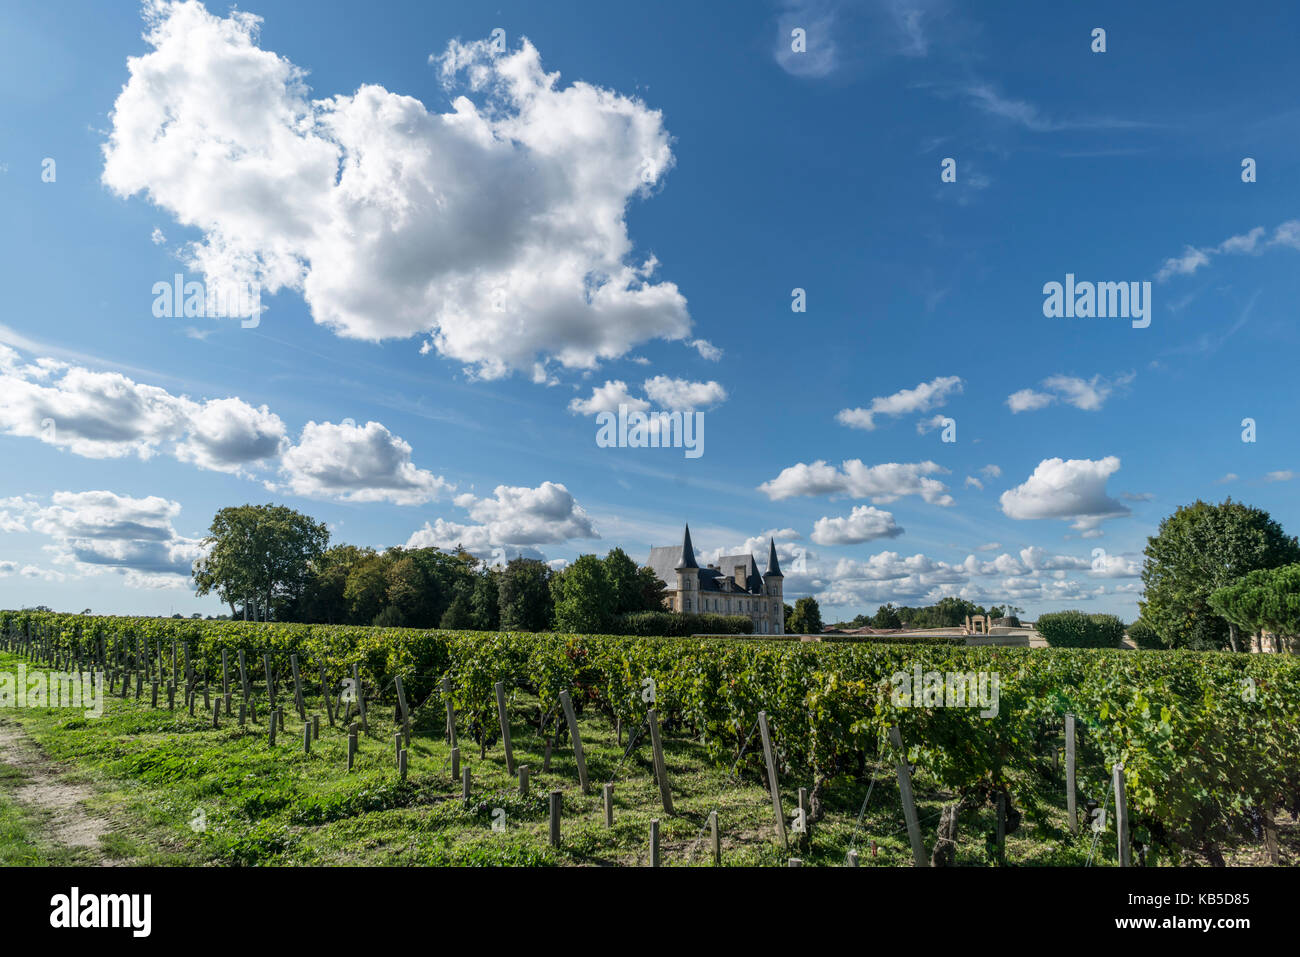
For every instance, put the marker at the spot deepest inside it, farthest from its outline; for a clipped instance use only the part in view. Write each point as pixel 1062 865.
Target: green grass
pixel 178 792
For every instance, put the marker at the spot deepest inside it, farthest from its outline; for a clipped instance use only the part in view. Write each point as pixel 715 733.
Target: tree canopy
pixel 806 618
pixel 1267 599
pixel 1198 550
pixel 259 555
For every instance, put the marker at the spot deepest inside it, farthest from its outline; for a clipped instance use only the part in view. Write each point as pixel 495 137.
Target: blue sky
pixel 467 247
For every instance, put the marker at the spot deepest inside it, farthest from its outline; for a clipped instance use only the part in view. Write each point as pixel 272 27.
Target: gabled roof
pixel 663 562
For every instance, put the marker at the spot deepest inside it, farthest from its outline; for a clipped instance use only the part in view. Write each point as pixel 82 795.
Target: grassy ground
pixel 169 789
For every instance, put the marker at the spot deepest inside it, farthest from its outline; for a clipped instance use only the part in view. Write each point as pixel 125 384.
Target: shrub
pixel 1143 635
pixel 1074 629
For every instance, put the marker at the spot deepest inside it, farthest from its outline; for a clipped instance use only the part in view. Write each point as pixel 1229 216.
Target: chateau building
pixel 734 586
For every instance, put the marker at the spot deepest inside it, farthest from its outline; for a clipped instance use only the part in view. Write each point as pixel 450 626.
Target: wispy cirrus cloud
pixel 1251 243
pixel 987 98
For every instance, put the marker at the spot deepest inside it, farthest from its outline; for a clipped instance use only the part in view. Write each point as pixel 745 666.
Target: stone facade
pixel 734 586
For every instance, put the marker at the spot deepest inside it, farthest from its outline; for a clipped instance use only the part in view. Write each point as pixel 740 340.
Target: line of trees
pixel 1212 574
pixel 947 612
pixel 268 562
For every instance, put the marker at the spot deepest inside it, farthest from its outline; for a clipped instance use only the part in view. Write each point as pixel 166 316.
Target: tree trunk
pixel 1213 854
pixel 1232 637
pixel 1270 838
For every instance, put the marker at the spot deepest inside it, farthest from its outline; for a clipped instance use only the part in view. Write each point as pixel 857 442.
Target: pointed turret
pixel 773 569
pixel 688 552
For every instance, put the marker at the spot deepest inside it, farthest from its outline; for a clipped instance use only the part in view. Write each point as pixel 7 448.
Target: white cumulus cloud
pixel 881 484
pixel 358 463
pixel 864 524
pixel 1066 489
pixel 497 229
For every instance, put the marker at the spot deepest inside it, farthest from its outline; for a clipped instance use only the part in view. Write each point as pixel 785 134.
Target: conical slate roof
pixel 773 569
pixel 688 552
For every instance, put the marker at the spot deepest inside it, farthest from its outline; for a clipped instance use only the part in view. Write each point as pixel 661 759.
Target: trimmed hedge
pixel 667 624
pixel 933 640
pixel 1074 629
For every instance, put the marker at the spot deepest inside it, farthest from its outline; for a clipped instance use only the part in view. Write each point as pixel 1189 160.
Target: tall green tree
pixel 806 619
pixel 458 616
pixel 524 596
pixel 1198 550
pixel 259 553
pixel 584 600
pixel 484 610
pixel 624 586
pixel 323 598
pixel 366 592
pixel 651 589
pixel 886 616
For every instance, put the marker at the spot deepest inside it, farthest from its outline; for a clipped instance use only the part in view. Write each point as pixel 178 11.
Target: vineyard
pixel 688 733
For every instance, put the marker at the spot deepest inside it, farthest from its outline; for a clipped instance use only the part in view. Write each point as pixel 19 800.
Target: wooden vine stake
pixel 1071 801
pixel 571 717
pixel 1002 828
pixel 270 685
pixel 773 785
pixel 1121 819
pixel 401 698
pixel 243 677
pixel 297 688
pixel 715 840
pixel 909 800
pixel 361 697
pixel 325 693
pixel 504 716
pixel 451 711
pixel 661 768
pixel 556 798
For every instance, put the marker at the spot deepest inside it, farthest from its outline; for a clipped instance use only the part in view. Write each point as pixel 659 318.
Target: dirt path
pixel 58 805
